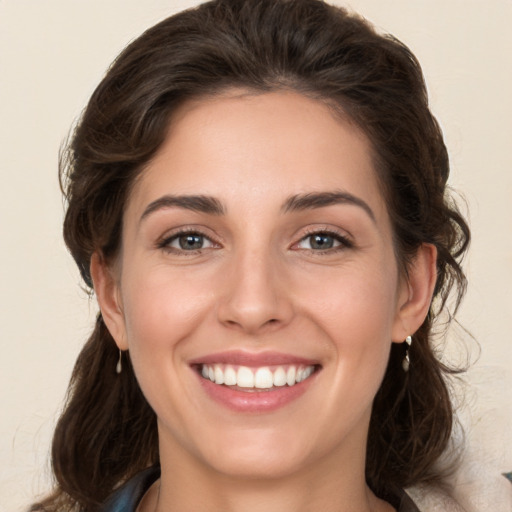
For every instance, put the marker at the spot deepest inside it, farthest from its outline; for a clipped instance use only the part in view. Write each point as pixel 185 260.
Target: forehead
pixel 243 146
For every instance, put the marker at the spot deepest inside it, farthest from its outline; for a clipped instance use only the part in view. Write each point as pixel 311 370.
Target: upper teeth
pixel 262 378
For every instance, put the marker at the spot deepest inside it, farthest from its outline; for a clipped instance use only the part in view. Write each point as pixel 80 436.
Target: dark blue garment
pixel 128 497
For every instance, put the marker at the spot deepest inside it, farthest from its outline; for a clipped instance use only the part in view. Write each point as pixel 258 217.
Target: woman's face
pixel 257 252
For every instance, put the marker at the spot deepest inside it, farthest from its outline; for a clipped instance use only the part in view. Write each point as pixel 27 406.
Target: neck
pixel 330 486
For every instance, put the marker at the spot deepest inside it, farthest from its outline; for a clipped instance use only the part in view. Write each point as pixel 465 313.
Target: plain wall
pixel 54 52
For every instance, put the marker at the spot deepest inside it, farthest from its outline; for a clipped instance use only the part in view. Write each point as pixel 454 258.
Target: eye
pixel 323 241
pixel 187 241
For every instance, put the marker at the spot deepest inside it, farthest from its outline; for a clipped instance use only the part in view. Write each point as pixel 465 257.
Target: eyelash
pixel 344 242
pixel 165 243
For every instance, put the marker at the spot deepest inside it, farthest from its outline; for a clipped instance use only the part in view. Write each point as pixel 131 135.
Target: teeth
pixel 263 378
pixel 219 375
pixel 244 377
pixel 229 376
pixel 290 376
pixel 260 378
pixel 279 377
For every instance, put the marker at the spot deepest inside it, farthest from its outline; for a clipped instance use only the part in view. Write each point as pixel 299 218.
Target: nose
pixel 254 298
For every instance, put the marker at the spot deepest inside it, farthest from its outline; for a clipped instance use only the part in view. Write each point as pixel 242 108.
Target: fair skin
pixel 261 276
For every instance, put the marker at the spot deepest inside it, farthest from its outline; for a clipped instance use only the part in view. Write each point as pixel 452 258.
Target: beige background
pixel 53 53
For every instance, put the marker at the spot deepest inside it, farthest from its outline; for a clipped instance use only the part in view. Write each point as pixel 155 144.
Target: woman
pixel 257 196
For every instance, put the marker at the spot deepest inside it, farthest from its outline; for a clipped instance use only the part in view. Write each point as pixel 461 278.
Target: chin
pixel 258 455
pixel 257 466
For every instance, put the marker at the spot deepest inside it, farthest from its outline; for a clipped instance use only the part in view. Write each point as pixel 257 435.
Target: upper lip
pixel 254 359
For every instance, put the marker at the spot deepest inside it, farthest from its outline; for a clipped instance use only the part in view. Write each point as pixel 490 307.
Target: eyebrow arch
pixel 197 203
pixel 314 200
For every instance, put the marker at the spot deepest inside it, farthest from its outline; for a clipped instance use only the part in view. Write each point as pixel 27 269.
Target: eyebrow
pixel 197 203
pixel 299 202
pixel 314 200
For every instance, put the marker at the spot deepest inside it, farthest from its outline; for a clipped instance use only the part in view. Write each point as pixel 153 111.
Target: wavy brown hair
pixel 107 431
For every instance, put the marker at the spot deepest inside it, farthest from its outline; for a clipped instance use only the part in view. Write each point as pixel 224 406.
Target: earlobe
pixel 416 294
pixel 107 293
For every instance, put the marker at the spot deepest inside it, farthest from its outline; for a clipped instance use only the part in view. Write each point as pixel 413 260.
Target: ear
pixel 108 295
pixel 415 293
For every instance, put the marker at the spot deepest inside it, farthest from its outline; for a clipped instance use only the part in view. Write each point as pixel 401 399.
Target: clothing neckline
pixel 127 497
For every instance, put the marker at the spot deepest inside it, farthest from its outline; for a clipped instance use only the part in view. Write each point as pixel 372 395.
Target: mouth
pixel 255 383
pixel 263 378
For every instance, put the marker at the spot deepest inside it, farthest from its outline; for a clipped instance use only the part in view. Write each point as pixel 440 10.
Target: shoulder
pixel 128 496
pixel 432 499
pixel 483 492
pixel 406 504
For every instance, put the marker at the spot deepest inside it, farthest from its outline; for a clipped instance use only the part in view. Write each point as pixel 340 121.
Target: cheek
pixel 356 311
pixel 161 309
pixel 162 313
pixel 354 303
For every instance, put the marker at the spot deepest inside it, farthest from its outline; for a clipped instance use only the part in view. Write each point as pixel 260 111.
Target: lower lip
pixel 255 401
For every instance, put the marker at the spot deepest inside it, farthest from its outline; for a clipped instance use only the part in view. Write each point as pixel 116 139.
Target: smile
pixel 255 382
pixel 261 378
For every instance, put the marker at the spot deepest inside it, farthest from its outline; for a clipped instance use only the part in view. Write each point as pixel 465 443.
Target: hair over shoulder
pixel 107 431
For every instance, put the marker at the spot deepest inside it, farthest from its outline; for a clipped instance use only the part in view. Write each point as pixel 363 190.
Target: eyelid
pixel 345 240
pixel 169 236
